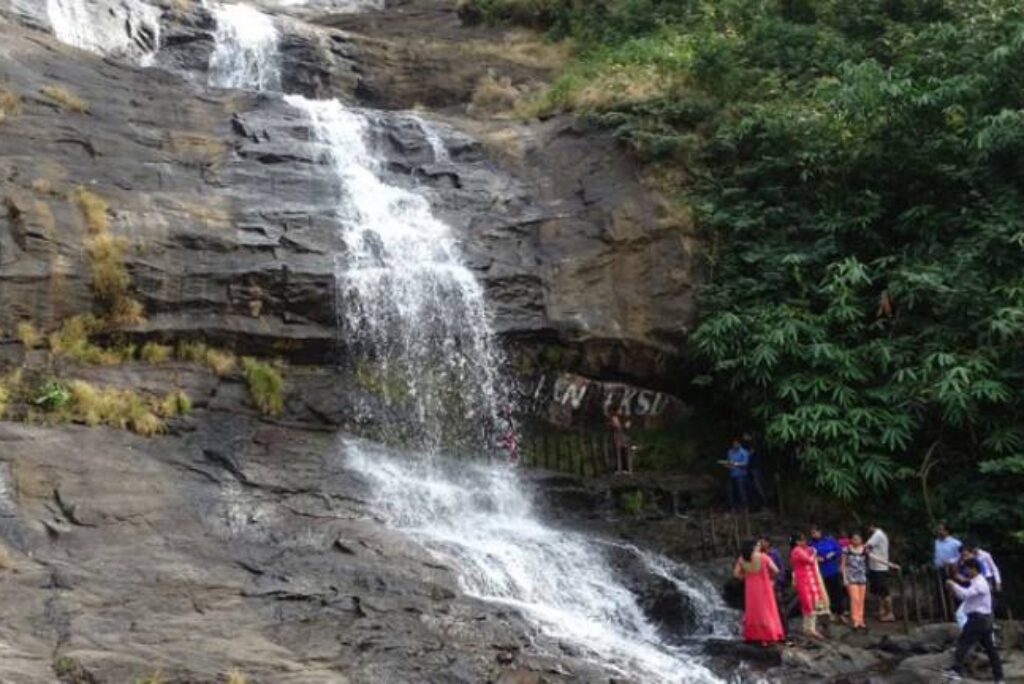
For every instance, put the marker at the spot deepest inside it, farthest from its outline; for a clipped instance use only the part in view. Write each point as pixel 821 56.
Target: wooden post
pixel 703 541
pixel 916 596
pixel 581 453
pixel 592 448
pixel 943 597
pixel 903 602
pixel 714 541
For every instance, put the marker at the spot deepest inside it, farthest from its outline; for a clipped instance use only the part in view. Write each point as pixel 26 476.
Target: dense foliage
pixel 858 167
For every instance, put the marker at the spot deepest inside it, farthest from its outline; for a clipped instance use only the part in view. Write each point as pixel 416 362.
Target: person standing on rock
pixel 809 587
pixel 737 460
pixel 855 578
pixel 829 558
pixel 761 622
pixel 977 605
pixel 878 572
pixel 620 442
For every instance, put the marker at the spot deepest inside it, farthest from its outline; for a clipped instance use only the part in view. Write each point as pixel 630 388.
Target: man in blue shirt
pixel 947 549
pixel 829 556
pixel 737 461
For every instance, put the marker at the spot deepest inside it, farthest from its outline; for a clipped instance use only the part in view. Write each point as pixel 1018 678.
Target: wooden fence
pixel 579 452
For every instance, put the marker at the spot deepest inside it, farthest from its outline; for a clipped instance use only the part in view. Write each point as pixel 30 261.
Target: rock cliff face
pixel 238 541
pixel 232 230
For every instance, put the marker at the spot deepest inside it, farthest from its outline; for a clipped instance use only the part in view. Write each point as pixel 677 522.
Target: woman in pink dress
pixel 761 623
pixel 808 583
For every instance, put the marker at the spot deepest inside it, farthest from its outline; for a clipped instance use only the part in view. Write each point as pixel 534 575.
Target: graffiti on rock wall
pixel 569 399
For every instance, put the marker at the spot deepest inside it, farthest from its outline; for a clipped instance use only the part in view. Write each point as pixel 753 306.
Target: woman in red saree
pixel 761 623
pixel 808 583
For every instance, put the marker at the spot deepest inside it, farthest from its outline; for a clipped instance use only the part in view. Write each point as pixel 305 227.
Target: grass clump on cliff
pixel 10 104
pixel 72 341
pixel 155 353
pixel 220 361
pixel 109 277
pixel 66 99
pixel 28 334
pixel 235 677
pixel 266 385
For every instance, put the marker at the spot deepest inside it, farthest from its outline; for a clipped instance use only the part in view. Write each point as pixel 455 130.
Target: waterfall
pixel 407 304
pixel 245 53
pixel 127 28
pixel 417 319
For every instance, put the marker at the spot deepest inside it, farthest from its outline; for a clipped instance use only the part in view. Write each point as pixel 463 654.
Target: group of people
pixel 972 578
pixel 831 578
pixel 828 577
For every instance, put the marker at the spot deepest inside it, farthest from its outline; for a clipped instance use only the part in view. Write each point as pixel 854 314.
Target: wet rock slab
pixel 224 550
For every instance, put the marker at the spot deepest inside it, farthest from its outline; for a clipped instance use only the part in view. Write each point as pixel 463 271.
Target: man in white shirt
pixel 977 600
pixel 878 572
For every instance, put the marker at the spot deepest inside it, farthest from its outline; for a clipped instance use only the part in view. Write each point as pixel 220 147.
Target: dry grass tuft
pixel 110 279
pixel 494 94
pixel 72 341
pixel 67 100
pixel 175 403
pixel 235 677
pixel 43 186
pixel 155 353
pixel 28 334
pixel 116 407
pixel 221 362
pixel 94 209
pixel 10 104
pixel 10 388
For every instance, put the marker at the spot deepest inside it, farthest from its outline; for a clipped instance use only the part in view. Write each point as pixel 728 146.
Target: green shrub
pixel 266 386
pixel 53 395
pixel 632 503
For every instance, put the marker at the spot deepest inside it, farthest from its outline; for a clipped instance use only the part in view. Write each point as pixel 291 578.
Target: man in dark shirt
pixel 782 580
pixel 829 556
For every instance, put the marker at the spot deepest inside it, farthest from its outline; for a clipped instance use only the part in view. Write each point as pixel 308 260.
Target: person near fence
pixel 620 441
pixel 829 558
pixel 878 572
pixel 976 599
pixel 808 584
pixel 947 549
pixel 755 470
pixel 781 581
pixel 737 460
pixel 760 611
pixel 855 577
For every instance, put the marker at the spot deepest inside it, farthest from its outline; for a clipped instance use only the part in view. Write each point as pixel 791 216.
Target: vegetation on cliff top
pixel 857 167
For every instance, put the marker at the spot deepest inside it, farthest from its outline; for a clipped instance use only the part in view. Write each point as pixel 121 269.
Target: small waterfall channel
pixel 124 28
pixel 420 322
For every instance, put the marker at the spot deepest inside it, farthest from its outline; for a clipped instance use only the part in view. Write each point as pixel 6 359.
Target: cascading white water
pixel 409 304
pixel 127 28
pixel 480 520
pixel 245 53
pixel 406 300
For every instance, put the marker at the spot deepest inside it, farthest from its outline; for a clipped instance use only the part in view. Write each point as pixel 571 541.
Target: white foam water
pixel 479 520
pixel 121 28
pixel 245 53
